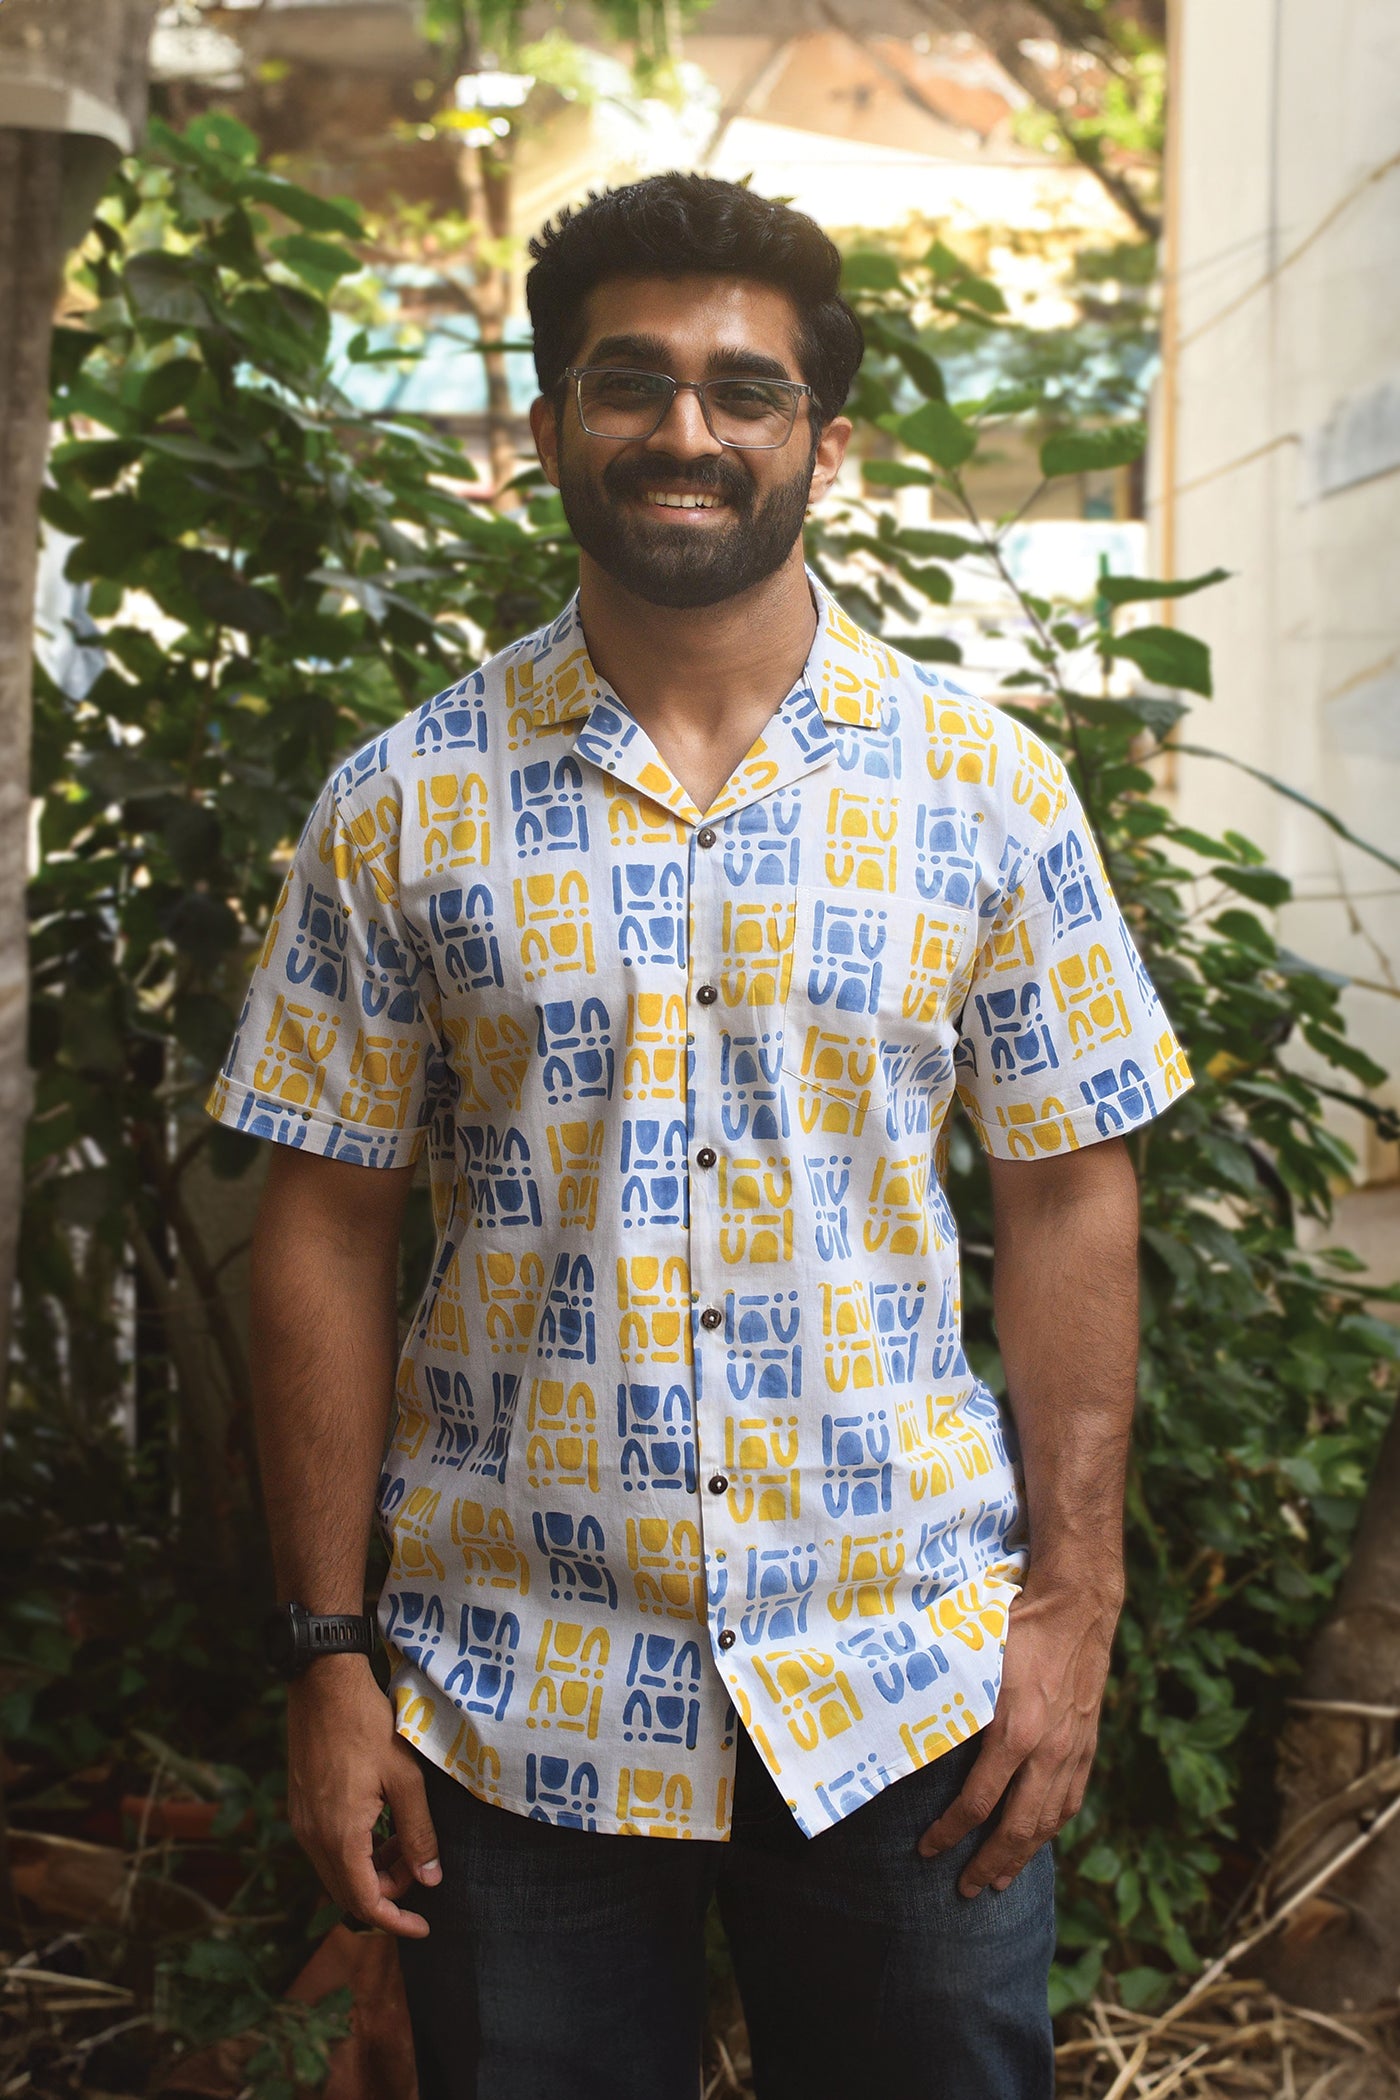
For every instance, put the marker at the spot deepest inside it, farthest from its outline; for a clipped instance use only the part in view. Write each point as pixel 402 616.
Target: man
pixel 671 934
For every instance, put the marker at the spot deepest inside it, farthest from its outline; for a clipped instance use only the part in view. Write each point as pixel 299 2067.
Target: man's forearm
pixel 1066 1307
pixel 324 1344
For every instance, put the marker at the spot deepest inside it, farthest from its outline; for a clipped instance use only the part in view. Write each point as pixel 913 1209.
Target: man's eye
pixel 629 386
pixel 749 397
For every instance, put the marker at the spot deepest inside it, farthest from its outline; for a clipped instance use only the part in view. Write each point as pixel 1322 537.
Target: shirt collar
pixel 847 673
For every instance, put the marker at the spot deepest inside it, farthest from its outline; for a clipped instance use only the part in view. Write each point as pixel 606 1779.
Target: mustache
pixel 709 476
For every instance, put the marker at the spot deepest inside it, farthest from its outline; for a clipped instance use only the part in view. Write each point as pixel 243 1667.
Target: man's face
pixel 620 497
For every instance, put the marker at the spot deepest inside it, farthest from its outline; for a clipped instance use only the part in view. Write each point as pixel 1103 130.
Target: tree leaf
pixel 925 648
pixel 165 288
pixel 1292 794
pixel 895 474
pixel 317 214
pixel 1128 590
pixel 1086 451
pixel 320 263
pixel 1166 656
pixel 869 270
pixel 939 433
pixel 1260 885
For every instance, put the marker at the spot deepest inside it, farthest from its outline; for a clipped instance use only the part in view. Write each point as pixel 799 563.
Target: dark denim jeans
pixel 567 1966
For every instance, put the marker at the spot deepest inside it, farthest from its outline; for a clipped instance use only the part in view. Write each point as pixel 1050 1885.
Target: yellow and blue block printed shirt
pixel 686 1439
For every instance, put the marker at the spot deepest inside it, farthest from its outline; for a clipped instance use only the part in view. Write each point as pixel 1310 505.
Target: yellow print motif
pixel 556 930
pixel 415 1556
pixel 933 966
pixel 756 940
pixel 565 692
pixel 413 1714
pixel 653 1063
pixel 753 1728
pixel 412 1420
pixel 1087 993
pixel 851 1354
pixel 1171 1063
pixel 962 740
pixel 755 774
pixel 933 1430
pixel 510 1287
pixel 868 1577
pixel 760 1457
pixel 368 843
pixel 1038 785
pixel 1032 1129
pixel 449 1329
pixel 668 1567
pixel 576 1154
pixel 756 1210
pixel 300 1041
pixel 655 1803
pixel 970 1616
pixel 897 1221
pixel 452 818
pixel 654 1303
pixel 490 1054
pixel 861 835
pixel 562 1450
pixel 635 820
pixel 474 1763
pixel 382 1071
pixel 571 1666
pixel 938 1732
pixel 491 1560
pixel 274 929
pixel 813 1696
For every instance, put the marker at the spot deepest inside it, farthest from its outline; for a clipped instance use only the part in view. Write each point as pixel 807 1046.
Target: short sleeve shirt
pixel 686 1439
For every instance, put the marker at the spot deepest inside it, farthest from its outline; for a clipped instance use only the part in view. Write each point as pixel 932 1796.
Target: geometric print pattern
pixel 686 1439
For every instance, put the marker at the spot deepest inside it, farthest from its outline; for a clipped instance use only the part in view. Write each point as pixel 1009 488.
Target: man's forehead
pixel 692 313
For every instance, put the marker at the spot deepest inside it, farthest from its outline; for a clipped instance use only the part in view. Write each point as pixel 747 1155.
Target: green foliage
pixel 272 575
pixel 1265 1380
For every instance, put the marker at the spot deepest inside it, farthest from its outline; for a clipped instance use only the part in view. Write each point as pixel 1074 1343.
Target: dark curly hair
pixel 673 225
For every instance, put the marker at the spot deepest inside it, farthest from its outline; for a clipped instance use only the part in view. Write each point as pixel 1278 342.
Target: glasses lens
pixel 623 404
pixel 751 412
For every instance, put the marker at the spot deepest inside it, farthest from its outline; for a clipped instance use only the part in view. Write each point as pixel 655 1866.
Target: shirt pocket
pixel 869 1023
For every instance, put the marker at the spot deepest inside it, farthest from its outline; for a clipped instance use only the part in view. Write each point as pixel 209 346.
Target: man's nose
pixel 683 431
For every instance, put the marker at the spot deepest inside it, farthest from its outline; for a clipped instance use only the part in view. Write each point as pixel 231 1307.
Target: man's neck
pixel 701 680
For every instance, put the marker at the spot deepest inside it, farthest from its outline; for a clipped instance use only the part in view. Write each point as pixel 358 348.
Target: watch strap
pixel 337 1633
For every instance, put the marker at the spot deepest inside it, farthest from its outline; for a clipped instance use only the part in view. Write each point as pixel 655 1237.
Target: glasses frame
pixel 795 388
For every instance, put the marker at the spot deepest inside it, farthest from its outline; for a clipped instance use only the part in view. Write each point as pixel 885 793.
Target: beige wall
pixel 1278 454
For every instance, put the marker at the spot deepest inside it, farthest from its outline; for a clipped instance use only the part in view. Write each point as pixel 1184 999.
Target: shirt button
pixel 711 1316
pixel 706 1156
pixel 705 837
pixel 707 995
pixel 718 1484
pixel 727 1638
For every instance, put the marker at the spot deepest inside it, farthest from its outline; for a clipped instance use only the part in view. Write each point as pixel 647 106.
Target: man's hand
pixel 345 1765
pixel 1040 1741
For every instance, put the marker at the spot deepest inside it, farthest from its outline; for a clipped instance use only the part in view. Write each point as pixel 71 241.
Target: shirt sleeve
pixel 337 1038
pixel 1063 1040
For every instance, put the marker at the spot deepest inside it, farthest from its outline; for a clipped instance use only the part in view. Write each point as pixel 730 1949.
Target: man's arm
pixel 324 1275
pixel 1066 1304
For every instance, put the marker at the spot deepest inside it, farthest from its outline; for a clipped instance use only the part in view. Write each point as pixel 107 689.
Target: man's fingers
pixel 413 1826
pixel 983 1787
pixel 1033 1811
pixel 365 1899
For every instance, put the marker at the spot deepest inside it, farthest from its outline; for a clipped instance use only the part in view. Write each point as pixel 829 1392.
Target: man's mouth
pixel 672 499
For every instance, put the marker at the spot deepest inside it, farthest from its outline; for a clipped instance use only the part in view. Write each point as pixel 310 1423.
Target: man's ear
pixel 831 450
pixel 544 429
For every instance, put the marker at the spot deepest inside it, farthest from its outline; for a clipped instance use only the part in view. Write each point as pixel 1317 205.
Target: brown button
pixel 706 837
pixel 707 995
pixel 712 1317
pixel 727 1638
pixel 718 1484
pixel 706 1156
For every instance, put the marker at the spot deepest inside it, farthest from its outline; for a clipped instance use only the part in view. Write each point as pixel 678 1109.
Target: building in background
pixel 1277 456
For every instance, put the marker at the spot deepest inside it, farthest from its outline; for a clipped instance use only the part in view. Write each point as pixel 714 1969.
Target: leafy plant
pixel 1266 1382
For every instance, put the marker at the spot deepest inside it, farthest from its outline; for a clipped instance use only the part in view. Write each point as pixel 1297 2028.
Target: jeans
pixel 564 1965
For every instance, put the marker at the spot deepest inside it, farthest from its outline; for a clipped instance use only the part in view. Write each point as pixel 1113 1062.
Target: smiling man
pixel 671 935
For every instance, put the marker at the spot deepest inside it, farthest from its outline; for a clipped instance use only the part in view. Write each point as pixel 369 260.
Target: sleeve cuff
pixel 239 1107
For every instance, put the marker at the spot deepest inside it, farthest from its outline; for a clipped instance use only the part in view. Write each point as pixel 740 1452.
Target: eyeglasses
pixel 752 415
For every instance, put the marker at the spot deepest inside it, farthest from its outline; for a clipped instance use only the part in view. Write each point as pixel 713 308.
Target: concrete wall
pixel 1278 456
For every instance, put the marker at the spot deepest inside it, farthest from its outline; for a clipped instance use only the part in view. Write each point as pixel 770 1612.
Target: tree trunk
pixel 31 258
pixel 1340 1950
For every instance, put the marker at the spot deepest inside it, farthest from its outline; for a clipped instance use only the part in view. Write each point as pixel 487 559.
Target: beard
pixel 671 564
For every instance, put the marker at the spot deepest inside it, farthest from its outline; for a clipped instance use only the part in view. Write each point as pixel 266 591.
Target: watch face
pixel 280 1644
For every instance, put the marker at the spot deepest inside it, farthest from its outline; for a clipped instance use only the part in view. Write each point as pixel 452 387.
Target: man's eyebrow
pixel 650 351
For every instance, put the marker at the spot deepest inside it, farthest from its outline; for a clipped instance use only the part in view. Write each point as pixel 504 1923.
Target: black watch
pixel 294 1637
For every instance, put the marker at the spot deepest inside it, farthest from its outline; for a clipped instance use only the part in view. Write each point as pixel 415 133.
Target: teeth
pixel 676 502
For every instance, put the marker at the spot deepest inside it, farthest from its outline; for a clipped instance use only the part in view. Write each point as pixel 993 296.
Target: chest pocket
pixel 876 986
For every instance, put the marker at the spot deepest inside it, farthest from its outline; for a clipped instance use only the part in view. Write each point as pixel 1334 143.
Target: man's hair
pixel 682 225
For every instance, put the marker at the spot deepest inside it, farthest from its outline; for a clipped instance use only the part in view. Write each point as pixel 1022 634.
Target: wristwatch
pixel 294 1637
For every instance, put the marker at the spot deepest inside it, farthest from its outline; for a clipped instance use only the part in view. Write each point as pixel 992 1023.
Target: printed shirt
pixel 686 1438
